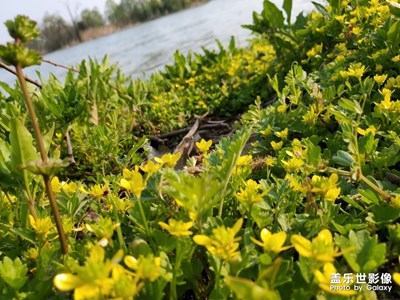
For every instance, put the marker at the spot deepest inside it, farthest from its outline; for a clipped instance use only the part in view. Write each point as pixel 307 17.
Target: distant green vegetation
pixel 302 201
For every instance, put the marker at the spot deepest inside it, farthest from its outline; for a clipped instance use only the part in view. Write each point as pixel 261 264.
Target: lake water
pixel 142 49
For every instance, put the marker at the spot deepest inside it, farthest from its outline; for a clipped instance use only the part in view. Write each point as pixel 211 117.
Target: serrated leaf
pixel 385 213
pixel 272 15
pixel 362 252
pixel 287 7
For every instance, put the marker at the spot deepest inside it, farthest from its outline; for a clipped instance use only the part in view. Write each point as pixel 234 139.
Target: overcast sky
pixel 36 9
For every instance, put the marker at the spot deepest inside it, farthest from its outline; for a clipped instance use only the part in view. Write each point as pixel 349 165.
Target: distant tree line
pixel 57 33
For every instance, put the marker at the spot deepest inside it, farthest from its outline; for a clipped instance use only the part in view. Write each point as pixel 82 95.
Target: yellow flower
pixel 133 182
pixel 269 161
pixel 340 18
pixel 282 134
pixel 267 131
pixel 56 185
pixel 320 248
pixel 243 163
pixel 177 228
pixel 126 284
pixel 42 226
pixel 103 229
pixel 379 68
pixel 356 30
pixel 324 281
pixel 251 194
pixel 169 159
pixel 96 191
pixel 69 188
pixel 386 103
pixel 222 242
pixel 396 278
pixel 356 70
pixel 396 59
pixel 326 187
pixel 293 164
pixel 317 49
pixel 8 200
pixel 59 135
pixel 244 160
pixel 276 146
pixel 311 116
pixel 32 254
pixel 148 267
pixel 281 108
pixel 204 145
pixel 395 201
pixel 150 167
pixel 380 79
pixel 371 129
pixel 294 184
pixel 92 280
pixel 272 242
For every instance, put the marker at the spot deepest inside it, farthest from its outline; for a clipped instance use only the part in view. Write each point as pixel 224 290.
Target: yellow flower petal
pixel 202 240
pixel 66 282
pixel 396 278
pixel 131 262
pixel 204 145
pixel 302 245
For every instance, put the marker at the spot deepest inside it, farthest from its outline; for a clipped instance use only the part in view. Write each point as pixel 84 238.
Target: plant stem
pixel 376 188
pixel 177 266
pixel 43 155
pixel 221 204
pixel 119 231
pixel 143 215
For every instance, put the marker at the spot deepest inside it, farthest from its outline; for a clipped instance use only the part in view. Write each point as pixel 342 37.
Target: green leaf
pixel 5 154
pixel 247 289
pixel 393 34
pixel 369 196
pixel 313 153
pixel 394 8
pixel 321 8
pixel 13 272
pixel 272 15
pixel 385 213
pixel 362 252
pixel 22 147
pixel 27 235
pixel 353 106
pixel 14 54
pixel 22 28
pixel 343 158
pixel 287 7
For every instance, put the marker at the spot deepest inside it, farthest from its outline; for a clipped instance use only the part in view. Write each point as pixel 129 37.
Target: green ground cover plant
pixel 305 191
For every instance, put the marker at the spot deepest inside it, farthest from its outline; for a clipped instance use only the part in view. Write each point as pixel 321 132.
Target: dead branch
pixel 59 65
pixel 11 70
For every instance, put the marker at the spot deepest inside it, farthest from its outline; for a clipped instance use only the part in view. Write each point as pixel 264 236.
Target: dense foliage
pixel 305 191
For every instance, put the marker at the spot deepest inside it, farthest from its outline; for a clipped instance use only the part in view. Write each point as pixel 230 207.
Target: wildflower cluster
pixel 306 187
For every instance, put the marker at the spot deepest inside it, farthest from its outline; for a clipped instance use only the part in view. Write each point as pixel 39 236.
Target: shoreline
pixel 108 29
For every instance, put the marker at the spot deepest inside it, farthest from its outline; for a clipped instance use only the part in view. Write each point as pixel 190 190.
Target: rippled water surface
pixel 147 47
